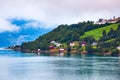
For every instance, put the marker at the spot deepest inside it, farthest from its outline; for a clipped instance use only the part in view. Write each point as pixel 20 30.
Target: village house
pixel 38 50
pixel 118 19
pixel 118 47
pixel 83 43
pixel 57 44
pixel 52 42
pixel 51 47
pixel 94 43
pixel 72 44
pixel 56 47
pixel 101 21
pixel 112 21
pixel 104 21
pixel 61 50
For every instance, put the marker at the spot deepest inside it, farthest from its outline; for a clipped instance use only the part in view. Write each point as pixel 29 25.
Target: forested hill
pixel 69 33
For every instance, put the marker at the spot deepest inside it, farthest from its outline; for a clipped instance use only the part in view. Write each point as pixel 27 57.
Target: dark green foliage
pixel 115 52
pixel 69 49
pixel 111 44
pixel 89 39
pixel 118 27
pixel 105 50
pixel 112 34
pixel 104 34
pixel 70 36
pixel 89 48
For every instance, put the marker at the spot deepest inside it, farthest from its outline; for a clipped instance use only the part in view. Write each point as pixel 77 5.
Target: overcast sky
pixel 55 12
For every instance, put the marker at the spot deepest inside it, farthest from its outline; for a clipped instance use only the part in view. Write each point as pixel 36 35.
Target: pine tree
pixel 104 33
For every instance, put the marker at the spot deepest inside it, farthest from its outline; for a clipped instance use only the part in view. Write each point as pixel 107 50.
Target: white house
pixel 38 50
pixel 94 43
pixel 112 20
pixel 118 47
pixel 72 44
pixel 58 44
pixel 101 21
pixel 52 42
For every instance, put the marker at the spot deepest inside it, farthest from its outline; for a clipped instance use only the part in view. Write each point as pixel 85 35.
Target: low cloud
pixel 29 23
pixel 5 25
pixel 37 24
pixel 52 12
pixel 21 39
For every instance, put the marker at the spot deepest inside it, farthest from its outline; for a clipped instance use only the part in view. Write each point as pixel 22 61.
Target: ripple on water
pixel 30 67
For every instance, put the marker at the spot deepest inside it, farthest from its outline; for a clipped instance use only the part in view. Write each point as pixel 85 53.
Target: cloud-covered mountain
pixel 28 31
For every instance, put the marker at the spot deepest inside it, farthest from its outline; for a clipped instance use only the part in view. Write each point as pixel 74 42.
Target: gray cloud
pixel 59 11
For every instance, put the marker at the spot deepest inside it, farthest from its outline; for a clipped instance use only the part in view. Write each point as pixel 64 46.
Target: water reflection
pixel 18 70
pixel 83 55
pixel 63 67
pixel 38 53
pixel 63 54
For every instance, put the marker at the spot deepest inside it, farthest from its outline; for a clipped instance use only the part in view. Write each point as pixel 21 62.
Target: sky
pixel 49 13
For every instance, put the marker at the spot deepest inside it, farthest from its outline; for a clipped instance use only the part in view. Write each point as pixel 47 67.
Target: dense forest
pixel 68 33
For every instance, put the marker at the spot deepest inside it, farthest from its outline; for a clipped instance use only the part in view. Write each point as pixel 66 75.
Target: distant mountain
pixel 23 35
pixel 28 31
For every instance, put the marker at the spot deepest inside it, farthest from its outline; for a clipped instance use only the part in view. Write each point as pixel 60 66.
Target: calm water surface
pixel 19 66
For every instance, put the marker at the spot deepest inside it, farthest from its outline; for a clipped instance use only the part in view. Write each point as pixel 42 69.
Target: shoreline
pixel 49 51
pixel 84 52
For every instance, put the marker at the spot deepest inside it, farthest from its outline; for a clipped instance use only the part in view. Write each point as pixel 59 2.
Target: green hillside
pixel 97 33
pixel 65 34
pixel 62 34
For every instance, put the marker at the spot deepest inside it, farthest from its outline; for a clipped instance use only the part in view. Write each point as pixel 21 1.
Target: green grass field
pixel 97 33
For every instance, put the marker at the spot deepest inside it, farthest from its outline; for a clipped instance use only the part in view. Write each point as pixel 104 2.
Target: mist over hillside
pixel 16 38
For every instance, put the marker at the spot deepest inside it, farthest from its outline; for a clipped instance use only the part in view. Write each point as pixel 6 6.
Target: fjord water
pixel 29 66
